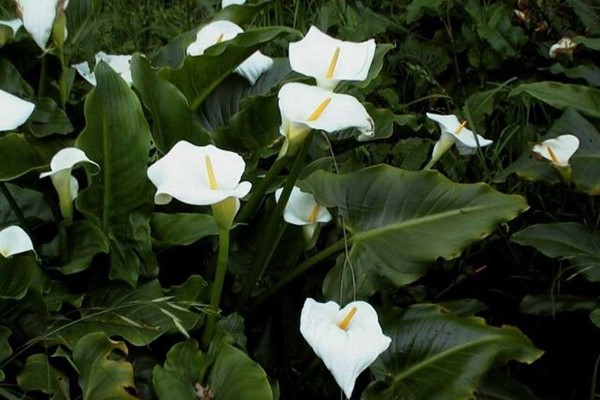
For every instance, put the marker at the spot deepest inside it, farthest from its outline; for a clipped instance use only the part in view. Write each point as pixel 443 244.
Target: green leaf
pixel 436 355
pixel 137 315
pixel 225 370
pixel 199 76
pixel 5 349
pixel 31 203
pixel 584 99
pixel 589 73
pixel 417 8
pixel 48 119
pixel 550 305
pixel 119 198
pixel 595 317
pixel 181 229
pixel 81 22
pixel 381 51
pixel 21 153
pixel 84 241
pixel 38 374
pixel 402 221
pixel 12 82
pixel 499 386
pixel 590 43
pixel 241 14
pixel 173 120
pixel 587 12
pixel 566 240
pixel 17 276
pixel 104 373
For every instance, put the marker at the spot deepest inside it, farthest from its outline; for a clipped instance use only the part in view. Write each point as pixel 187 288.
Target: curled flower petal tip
pixel 348 340
pixel 227 3
pixel 119 63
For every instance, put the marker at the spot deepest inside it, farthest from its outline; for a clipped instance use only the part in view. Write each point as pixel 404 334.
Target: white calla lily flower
pixel 227 3
pixel 331 60
pixel 198 175
pixel 304 107
pixel 14 240
pixel 120 63
pixel 14 24
pixel 558 150
pixel 563 46
pixel 454 132
pixel 347 340
pixel 303 210
pixel 221 31
pixel 38 17
pixel 13 111
pixel 65 184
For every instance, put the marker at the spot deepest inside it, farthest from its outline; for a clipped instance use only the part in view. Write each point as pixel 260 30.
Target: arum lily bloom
pixel 13 111
pixel 65 184
pixel 331 60
pixel 227 3
pixel 119 63
pixel 347 340
pixel 304 107
pixel 302 209
pixel 220 31
pixel 14 240
pixel 200 175
pixel 455 132
pixel 38 17
pixel 563 46
pixel 558 150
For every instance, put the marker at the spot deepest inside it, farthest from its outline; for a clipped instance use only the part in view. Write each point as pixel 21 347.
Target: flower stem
pixel 272 234
pixel 217 289
pixel 257 194
pixel 14 206
pixel 43 72
pixel 300 270
pixel 62 83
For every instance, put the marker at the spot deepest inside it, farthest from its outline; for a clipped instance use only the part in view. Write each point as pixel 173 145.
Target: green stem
pixel 300 270
pixel 62 84
pixel 272 236
pixel 14 206
pixel 217 289
pixel 257 194
pixel 43 72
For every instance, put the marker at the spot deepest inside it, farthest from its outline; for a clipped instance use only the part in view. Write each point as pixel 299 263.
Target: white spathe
pixel 13 111
pixel 558 150
pixel 227 3
pixel 331 60
pixel 14 240
pixel 38 17
pixel 453 132
pixel 303 210
pixel 304 107
pixel 220 31
pixel 120 63
pixel 198 175
pixel 346 351
pixel 563 46
pixel 14 24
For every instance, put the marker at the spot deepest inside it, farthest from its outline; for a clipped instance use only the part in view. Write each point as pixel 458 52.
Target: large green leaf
pixel 590 73
pixel 38 374
pixel 84 241
pixel 104 373
pixel 31 203
pixel 173 120
pixel 20 153
pixel 584 99
pixel 181 229
pixel 225 370
pixel 140 315
pixel 48 119
pixel 436 355
pixel 566 240
pixel 199 76
pixel 401 221
pixel 5 349
pixel 119 198
pixel 17 275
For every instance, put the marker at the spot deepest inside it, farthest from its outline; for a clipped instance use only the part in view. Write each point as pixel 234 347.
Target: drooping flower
pixel 302 209
pixel 304 107
pixel 221 31
pixel 558 150
pixel 226 3
pixel 331 60
pixel 563 46
pixel 347 340
pixel 14 240
pixel 65 184
pixel 38 17
pixel 454 132
pixel 120 63
pixel 13 111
